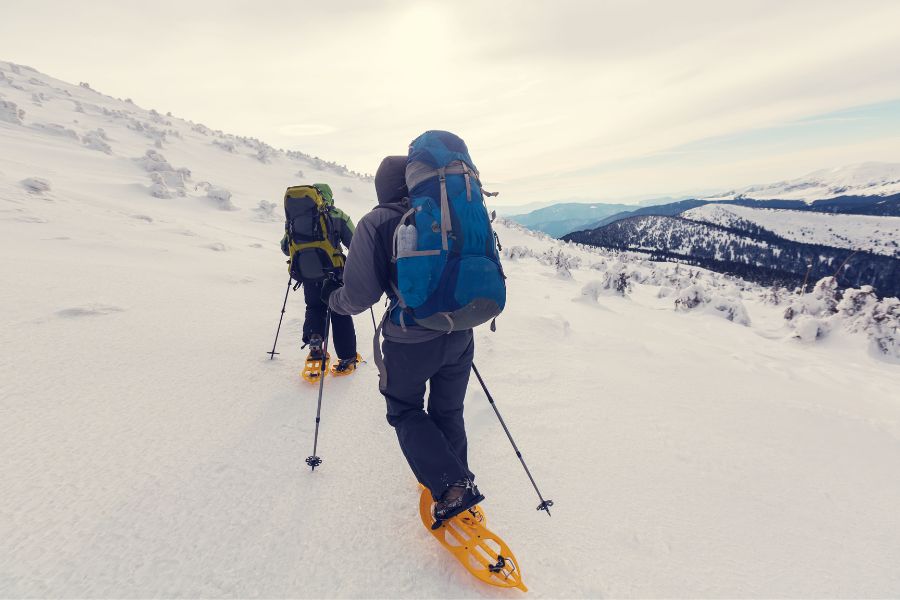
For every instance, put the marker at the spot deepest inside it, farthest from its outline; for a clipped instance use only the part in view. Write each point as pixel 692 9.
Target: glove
pixel 329 286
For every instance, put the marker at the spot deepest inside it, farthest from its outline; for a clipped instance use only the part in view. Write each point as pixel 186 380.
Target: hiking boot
pixel 345 366
pixel 315 348
pixel 459 497
pixel 313 368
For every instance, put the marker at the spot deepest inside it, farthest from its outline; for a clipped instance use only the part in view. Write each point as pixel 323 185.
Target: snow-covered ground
pixel 150 448
pixel 880 235
pixel 863 179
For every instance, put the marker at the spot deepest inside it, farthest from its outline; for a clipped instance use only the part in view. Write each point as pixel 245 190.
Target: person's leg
pixel 448 391
pixel 430 457
pixel 344 335
pixel 314 323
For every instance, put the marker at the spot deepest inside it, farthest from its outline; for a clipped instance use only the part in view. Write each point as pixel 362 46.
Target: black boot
pixel 459 497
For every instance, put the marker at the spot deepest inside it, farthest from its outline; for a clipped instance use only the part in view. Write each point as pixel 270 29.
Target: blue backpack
pixel 448 269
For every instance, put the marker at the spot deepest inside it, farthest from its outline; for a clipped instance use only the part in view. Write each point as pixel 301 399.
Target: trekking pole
pixel 283 307
pixel 372 312
pixel 545 504
pixel 314 461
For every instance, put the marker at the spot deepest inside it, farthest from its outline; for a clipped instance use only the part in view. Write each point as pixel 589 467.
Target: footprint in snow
pixel 89 310
pixel 217 247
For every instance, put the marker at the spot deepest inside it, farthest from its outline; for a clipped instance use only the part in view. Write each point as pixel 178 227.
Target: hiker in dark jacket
pixel 433 442
pixel 343 333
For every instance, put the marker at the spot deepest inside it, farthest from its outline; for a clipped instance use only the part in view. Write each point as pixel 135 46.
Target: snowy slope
pixel 863 179
pixel 150 448
pixel 880 235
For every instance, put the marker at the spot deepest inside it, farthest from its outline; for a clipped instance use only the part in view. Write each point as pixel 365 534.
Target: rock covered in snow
pixel 36 185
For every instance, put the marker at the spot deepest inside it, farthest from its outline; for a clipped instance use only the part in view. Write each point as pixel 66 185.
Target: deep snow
pixel 150 448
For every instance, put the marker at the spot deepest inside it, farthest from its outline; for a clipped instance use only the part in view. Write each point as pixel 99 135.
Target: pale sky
pixel 557 100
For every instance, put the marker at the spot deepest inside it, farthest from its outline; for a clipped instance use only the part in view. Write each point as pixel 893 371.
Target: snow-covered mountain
pixel 560 219
pixel 863 179
pixel 880 235
pixel 701 436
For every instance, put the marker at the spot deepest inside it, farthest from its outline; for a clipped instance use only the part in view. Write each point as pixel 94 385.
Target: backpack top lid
pixel 320 193
pixel 438 149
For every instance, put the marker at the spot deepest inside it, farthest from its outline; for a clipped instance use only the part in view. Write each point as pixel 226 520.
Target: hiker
pixel 433 442
pixel 314 230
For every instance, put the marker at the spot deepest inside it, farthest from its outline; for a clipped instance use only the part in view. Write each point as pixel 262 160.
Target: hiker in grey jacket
pixel 433 442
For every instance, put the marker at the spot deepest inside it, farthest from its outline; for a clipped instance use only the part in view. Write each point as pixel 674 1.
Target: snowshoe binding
pixel 317 361
pixel 346 366
pixel 459 497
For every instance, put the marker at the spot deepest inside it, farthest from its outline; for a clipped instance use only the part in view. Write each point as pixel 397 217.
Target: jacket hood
pixel 390 180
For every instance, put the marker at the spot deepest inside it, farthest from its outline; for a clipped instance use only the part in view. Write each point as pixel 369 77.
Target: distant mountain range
pixel 746 250
pixel 870 188
pixel 560 219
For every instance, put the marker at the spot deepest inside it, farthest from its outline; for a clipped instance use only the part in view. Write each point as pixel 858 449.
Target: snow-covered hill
pixel 696 442
pixel 880 235
pixel 864 179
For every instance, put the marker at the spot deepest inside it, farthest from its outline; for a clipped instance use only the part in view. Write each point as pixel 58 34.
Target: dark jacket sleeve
pixel 344 226
pixel 366 272
pixel 285 242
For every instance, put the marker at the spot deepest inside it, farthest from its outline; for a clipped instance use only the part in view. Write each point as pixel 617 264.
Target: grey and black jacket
pixel 369 270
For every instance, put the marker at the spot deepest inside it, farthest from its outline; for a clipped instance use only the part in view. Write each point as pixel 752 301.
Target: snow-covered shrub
pixel 266 211
pixel 664 292
pixel 299 174
pixel 221 196
pixel 730 308
pixel 226 145
pixel 517 252
pixel 347 189
pixel 36 185
pixel 265 154
pixel 696 296
pixel 861 311
pixel 808 328
pixel 154 161
pixel 691 297
pixel 55 129
pixel 96 140
pixel 822 301
pixel 11 113
pixel 611 284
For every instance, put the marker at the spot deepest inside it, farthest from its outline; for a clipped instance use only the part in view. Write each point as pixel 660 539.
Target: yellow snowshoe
pixel 479 550
pixel 346 366
pixel 313 368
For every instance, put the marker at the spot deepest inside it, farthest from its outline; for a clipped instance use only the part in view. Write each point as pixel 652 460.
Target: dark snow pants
pixel 433 442
pixel 343 335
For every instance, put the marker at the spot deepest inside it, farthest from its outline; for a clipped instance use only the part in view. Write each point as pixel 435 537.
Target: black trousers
pixel 343 335
pixel 433 441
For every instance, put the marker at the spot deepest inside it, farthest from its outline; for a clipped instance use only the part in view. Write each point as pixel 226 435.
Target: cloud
pixel 560 98
pixel 306 129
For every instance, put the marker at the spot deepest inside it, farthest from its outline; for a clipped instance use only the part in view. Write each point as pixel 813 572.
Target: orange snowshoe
pixel 313 368
pixel 346 366
pixel 478 549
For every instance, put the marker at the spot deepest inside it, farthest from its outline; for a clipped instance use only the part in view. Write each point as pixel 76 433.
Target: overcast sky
pixel 602 100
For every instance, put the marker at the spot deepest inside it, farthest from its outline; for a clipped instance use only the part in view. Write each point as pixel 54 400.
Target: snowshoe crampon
pixel 346 367
pixel 478 549
pixel 313 368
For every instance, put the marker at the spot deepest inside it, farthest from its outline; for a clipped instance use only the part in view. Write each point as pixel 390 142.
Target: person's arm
pixel 346 227
pixel 286 242
pixel 366 272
